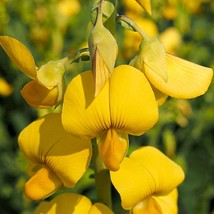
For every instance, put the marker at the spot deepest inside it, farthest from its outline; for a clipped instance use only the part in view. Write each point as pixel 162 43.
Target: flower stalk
pixel 102 177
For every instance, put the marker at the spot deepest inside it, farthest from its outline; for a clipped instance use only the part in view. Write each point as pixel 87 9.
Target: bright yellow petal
pixel 20 55
pixel 42 184
pixel 146 173
pixel 39 96
pixel 146 5
pixel 160 97
pixel 149 205
pixel 44 141
pixel 99 208
pixel 133 106
pixel 82 114
pixel 65 203
pixel 185 79
pixel 168 203
pixel 158 204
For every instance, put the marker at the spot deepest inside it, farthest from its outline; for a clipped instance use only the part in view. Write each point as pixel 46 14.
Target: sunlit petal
pixel 149 172
pixel 44 141
pixel 83 114
pixel 20 55
pixel 185 79
pixel 39 96
pixel 65 203
pixel 158 204
pixel 168 203
pixel 42 184
pixel 132 103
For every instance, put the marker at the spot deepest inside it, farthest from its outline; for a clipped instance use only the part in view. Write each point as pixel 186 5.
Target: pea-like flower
pixel 72 203
pixel 147 181
pixel 170 75
pixel 126 105
pixel 62 158
pixel 47 85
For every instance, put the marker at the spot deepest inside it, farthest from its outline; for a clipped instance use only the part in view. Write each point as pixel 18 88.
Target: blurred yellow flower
pixel 68 203
pixel 146 182
pixel 126 105
pixel 171 39
pixel 44 142
pixel 69 8
pixel 47 85
pixel 5 88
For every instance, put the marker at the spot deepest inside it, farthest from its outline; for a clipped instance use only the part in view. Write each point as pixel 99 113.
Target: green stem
pixel 102 178
pixel 133 25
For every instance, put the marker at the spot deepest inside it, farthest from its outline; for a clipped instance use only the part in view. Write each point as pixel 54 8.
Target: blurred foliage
pixel 53 29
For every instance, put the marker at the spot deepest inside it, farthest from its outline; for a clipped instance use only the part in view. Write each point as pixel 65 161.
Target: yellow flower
pixel 68 203
pixel 5 88
pixel 170 75
pixel 62 158
pixel 126 105
pixel 47 85
pixel 146 182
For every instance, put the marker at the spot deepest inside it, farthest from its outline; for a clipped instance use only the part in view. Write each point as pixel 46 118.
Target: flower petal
pixel 39 96
pixel 42 184
pixel 158 204
pixel 99 208
pixel 148 173
pixel 44 141
pixel 168 203
pixel 83 114
pixel 20 55
pixel 133 106
pixel 146 5
pixel 65 203
pixel 185 79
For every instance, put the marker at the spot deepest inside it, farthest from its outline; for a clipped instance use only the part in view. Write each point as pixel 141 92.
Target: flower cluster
pixel 101 107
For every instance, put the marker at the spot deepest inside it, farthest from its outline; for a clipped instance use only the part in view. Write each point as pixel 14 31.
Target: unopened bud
pixel 103 51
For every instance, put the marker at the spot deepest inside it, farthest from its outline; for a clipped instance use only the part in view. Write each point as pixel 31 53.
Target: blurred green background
pixel 53 29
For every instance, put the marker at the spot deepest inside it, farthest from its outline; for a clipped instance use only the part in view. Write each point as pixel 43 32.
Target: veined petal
pixel 65 203
pixel 113 146
pixel 42 184
pixel 83 114
pixel 133 106
pixel 44 141
pixel 148 173
pixel 146 5
pixel 38 96
pixel 20 55
pixel 185 79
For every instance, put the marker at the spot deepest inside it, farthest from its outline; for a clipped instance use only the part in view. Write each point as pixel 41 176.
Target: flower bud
pixel 103 51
